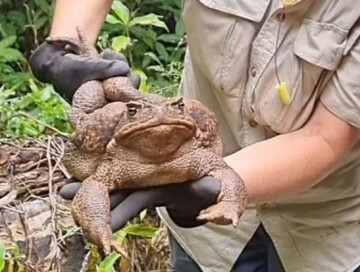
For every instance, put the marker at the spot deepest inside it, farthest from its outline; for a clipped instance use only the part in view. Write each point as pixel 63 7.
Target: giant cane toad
pixel 153 144
pixel 141 141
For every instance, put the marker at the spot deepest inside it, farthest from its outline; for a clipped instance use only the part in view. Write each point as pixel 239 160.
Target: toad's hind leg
pixel 231 200
pixel 91 210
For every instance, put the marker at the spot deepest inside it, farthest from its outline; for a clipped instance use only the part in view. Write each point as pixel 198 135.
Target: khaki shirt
pixel 230 67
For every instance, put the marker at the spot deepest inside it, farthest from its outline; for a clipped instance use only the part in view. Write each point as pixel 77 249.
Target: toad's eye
pixel 132 111
pixel 181 106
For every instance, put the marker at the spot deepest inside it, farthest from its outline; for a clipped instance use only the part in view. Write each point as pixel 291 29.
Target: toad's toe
pixel 222 213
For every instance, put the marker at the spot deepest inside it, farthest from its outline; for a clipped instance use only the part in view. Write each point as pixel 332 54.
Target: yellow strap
pixel 289 3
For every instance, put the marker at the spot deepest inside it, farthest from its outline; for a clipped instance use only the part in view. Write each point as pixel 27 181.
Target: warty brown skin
pixel 171 141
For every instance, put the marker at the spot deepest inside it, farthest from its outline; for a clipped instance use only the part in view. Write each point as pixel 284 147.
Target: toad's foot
pixel 222 213
pixel 231 200
pixel 108 243
pixel 91 210
pixel 119 249
pixel 103 238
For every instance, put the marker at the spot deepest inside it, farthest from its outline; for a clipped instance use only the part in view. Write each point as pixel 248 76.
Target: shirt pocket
pixel 317 51
pixel 219 37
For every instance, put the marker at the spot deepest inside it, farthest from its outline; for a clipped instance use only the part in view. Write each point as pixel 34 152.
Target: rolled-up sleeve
pixel 342 93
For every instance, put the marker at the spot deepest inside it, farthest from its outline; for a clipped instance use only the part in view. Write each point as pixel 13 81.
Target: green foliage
pixel 41 103
pixel 2 255
pixel 151 41
pixel 107 265
pixel 124 236
pixel 27 107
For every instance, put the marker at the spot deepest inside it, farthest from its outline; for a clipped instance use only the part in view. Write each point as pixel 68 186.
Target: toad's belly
pixel 145 175
pixel 118 174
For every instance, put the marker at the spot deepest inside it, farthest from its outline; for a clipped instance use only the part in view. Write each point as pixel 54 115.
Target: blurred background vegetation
pixel 149 32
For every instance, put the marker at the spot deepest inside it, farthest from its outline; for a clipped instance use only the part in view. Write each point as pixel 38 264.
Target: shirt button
pixel 253 72
pixel 253 123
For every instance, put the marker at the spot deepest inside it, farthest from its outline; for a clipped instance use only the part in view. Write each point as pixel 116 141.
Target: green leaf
pixel 46 94
pixel 143 85
pixel 141 230
pixel 148 36
pixel 25 101
pixel 160 48
pixel 149 19
pixel 43 5
pixel 170 38
pixel 41 22
pixel 7 42
pixel 121 11
pixel 2 255
pixel 120 236
pixel 179 28
pixel 120 43
pixel 107 265
pixel 142 215
pixel 112 20
pixel 153 57
pixel 10 54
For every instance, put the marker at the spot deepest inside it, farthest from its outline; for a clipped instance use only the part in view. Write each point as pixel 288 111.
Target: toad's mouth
pixel 159 126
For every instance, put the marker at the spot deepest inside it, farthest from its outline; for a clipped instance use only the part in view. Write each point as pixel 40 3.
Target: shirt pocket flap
pixel 321 44
pixel 247 9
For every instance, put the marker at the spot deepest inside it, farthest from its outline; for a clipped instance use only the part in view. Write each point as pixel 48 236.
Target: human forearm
pixel 88 15
pixel 288 164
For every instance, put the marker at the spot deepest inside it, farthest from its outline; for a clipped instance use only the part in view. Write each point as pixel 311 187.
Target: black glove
pixel 183 201
pixel 52 63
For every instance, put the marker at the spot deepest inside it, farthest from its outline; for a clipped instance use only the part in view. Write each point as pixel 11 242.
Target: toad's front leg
pixel 231 201
pixel 91 210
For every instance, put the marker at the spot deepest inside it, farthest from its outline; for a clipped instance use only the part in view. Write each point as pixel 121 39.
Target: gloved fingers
pixel 208 187
pixel 130 207
pixel 117 197
pixel 91 69
pixel 39 60
pixel 188 221
pixel 108 54
pixel 111 55
pixel 135 80
pixel 69 190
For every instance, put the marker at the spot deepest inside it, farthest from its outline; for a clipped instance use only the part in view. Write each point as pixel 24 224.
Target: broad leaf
pixel 107 265
pixel 161 50
pixel 170 38
pixel 2 255
pixel 153 57
pixel 120 43
pixel 112 20
pixel 7 42
pixel 43 5
pixel 41 22
pixel 141 230
pixel 179 28
pixel 149 19
pixel 121 11
pixel 10 54
pixel 143 85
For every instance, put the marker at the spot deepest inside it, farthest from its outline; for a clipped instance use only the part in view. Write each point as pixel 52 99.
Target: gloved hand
pixel 183 201
pixel 52 63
